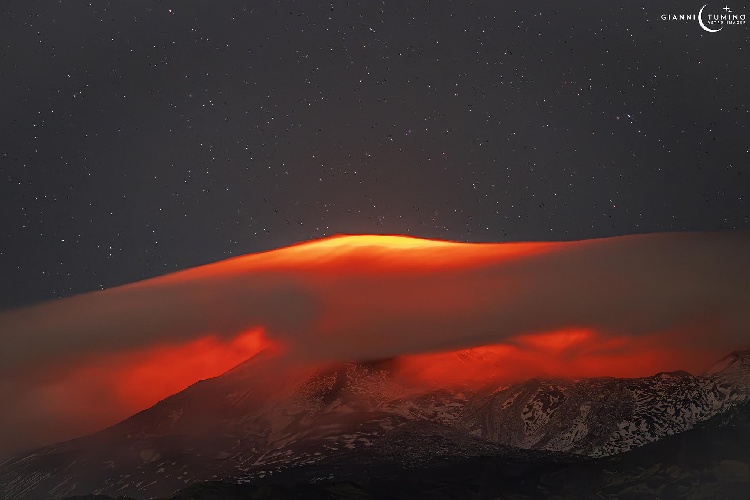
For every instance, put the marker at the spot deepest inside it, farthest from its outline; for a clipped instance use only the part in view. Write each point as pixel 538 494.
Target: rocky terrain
pixel 712 460
pixel 341 425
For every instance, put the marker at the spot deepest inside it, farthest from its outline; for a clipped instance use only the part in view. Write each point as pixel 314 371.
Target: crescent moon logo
pixel 700 21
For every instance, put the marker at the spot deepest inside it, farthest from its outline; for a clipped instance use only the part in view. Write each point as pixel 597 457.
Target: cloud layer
pixel 362 298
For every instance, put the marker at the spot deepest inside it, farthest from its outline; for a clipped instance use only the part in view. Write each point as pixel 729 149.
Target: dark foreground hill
pixel 709 461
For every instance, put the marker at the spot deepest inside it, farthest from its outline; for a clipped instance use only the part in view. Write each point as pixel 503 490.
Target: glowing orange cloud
pixel 622 306
pixel 144 378
pixel 78 397
pixel 573 353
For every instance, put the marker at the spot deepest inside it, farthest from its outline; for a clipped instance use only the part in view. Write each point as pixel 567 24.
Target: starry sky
pixel 142 137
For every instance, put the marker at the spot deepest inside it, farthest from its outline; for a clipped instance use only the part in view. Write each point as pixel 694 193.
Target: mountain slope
pixel 711 460
pixel 258 422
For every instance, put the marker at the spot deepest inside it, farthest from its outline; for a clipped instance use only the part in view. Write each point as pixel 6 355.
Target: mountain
pixel 259 424
pixel 712 460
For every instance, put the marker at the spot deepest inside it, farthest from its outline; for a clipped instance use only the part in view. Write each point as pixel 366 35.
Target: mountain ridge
pixel 227 427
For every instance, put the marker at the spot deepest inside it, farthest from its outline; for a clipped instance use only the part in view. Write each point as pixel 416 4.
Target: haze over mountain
pixel 626 306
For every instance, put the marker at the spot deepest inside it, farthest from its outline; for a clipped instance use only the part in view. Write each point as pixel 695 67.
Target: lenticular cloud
pixel 359 297
pixel 597 307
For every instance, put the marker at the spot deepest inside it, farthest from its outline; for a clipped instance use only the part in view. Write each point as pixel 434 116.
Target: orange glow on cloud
pixel 136 380
pixel 576 353
pixel 139 379
pixel 144 378
pixel 132 381
pixel 451 313
pixel 367 254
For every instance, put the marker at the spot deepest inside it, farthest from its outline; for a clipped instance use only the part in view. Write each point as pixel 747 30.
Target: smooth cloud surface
pixel 622 306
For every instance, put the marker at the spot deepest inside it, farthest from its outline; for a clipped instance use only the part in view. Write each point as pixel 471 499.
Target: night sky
pixel 142 137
